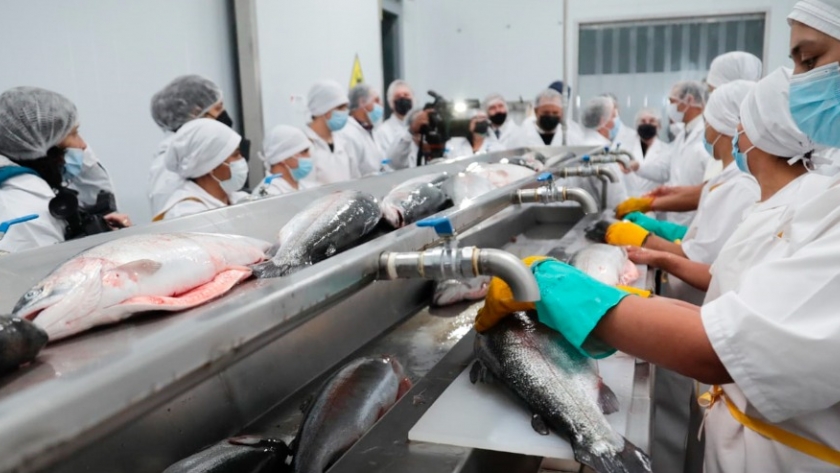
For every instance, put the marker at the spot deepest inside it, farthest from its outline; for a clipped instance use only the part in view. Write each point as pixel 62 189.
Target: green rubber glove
pixel 573 303
pixel 667 230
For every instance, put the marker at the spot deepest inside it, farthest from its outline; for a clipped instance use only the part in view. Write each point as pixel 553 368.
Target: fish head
pixel 393 215
pixel 399 372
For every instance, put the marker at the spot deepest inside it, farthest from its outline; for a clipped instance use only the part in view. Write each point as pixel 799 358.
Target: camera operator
pixel 42 150
pixel 403 152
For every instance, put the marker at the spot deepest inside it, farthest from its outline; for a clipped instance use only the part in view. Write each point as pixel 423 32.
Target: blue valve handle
pixel 585 158
pixel 545 176
pixel 606 149
pixel 4 226
pixel 442 225
pixel 272 177
pixel 385 161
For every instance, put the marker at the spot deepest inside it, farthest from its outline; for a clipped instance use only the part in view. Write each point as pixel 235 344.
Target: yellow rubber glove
pixel 635 291
pixel 626 234
pixel 634 204
pixel 499 302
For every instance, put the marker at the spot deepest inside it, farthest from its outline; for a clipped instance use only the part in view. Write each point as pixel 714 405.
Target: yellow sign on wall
pixel 356 77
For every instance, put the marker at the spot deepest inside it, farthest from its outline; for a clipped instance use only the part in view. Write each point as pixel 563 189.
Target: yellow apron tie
pixel 770 431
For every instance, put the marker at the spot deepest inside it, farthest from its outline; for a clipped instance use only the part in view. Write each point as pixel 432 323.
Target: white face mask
pixel 238 176
pixel 675 114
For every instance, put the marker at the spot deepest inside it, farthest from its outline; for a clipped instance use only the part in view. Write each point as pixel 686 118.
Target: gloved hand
pixel 634 204
pixel 667 230
pixel 499 302
pixel 626 234
pixel 573 303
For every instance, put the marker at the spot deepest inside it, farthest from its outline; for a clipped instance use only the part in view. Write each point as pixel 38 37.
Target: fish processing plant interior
pixel 140 395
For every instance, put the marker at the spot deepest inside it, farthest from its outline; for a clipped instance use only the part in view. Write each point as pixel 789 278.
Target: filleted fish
pixel 325 227
pixel 112 281
pixel 606 263
pixel 562 389
pixel 415 199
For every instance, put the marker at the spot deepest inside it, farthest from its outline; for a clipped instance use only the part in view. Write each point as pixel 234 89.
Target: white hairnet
pixel 392 90
pixel 492 99
pixel 689 88
pixel 723 112
pixel 325 96
pixel 733 66
pixel 549 96
pixel 822 15
pixel 476 112
pixel 597 112
pixel 33 120
pixel 361 95
pixel 647 112
pixel 200 146
pixel 282 143
pixel 183 99
pixel 765 116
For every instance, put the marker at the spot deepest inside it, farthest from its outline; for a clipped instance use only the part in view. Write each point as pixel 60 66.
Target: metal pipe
pixel 549 195
pixel 461 263
pixel 608 173
pixel 604 185
pixel 612 158
pixel 587 171
pixel 586 201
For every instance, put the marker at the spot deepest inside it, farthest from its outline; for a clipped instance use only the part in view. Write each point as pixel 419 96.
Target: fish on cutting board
pixel 325 227
pixel 20 342
pixel 346 407
pixel 453 291
pixel 562 389
pixel 606 263
pixel 112 281
pixel 245 454
pixel 415 199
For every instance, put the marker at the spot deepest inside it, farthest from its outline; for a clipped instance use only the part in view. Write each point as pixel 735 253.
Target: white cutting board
pixel 490 417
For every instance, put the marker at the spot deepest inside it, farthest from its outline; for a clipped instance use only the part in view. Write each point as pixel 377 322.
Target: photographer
pixel 402 153
pixel 39 136
pixel 477 142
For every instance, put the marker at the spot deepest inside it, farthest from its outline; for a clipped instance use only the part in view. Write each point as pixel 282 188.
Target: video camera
pixel 441 127
pixel 82 221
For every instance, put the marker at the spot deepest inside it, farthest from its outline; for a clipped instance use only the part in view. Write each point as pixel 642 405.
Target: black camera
pixel 82 221
pixel 441 127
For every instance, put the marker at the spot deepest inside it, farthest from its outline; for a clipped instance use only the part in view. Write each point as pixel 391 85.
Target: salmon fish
pixel 20 342
pixel 606 263
pixel 236 455
pixel 562 389
pixel 346 407
pixel 415 199
pixel 325 227
pixel 115 280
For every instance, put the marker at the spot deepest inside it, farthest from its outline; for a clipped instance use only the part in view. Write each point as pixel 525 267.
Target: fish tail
pixel 271 269
pixel 630 460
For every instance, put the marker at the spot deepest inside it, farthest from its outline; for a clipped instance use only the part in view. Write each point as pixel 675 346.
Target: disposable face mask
pixel 614 131
pixel 304 168
pixel 548 122
pixel 338 119
pixel 646 131
pixel 403 105
pixel 740 158
pixel 498 119
pixel 815 105
pixel 238 176
pixel 710 147
pixel 375 115
pixel 225 119
pixel 674 114
pixel 73 161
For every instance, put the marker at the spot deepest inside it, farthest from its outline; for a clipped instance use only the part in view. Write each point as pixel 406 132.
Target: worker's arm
pixel 680 199
pixel 656 243
pixel 665 334
pixel 692 272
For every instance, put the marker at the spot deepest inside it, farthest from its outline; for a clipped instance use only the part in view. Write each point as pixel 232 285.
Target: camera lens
pixel 64 205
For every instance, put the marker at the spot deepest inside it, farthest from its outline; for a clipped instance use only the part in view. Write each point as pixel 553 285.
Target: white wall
pixel 304 41
pixel 110 57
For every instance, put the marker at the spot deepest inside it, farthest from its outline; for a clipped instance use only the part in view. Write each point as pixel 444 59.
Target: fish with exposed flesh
pixel 415 199
pixel 606 263
pixel 452 291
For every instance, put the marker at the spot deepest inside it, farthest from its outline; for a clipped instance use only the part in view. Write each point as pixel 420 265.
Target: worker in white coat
pixel 365 113
pixel 502 127
pixel 205 154
pixel 598 118
pixel 401 100
pixel 328 108
pixel 478 142
pixel 185 98
pixel 625 138
pixel 546 129
pixel 653 155
pixel 287 162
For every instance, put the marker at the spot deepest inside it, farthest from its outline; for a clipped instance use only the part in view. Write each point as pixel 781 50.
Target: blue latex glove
pixel 667 230
pixel 573 303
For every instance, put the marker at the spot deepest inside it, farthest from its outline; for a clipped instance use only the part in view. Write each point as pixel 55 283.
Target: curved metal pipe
pixel 608 173
pixel 549 195
pixel 510 269
pixel 586 201
pixel 612 158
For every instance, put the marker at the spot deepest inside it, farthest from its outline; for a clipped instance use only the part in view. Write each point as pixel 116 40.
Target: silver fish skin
pixel 452 291
pixel 415 199
pixel 346 407
pixel 114 280
pixel 606 263
pixel 236 455
pixel 20 342
pixel 325 227
pixel 561 388
pixel 465 187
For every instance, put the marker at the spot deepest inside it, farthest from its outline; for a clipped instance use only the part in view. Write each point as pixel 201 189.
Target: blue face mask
pixel 73 160
pixel 710 147
pixel 740 158
pixel 375 115
pixel 304 168
pixel 338 119
pixel 614 131
pixel 815 104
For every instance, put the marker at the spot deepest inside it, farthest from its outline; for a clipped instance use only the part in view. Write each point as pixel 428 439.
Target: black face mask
pixel 498 119
pixel 50 167
pixel 548 122
pixel 481 127
pixel 403 105
pixel 646 131
pixel 225 119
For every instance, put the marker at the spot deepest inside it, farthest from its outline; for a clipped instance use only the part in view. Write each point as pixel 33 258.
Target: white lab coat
pixel 529 135
pixel 91 180
pixel 363 150
pixel 278 186
pixel 688 164
pixel 460 146
pixel 162 181
pixel 24 195
pixel 504 135
pixel 656 165
pixel 773 322
pixel 628 140
pixel 190 198
pixel 387 132
pixel 331 166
